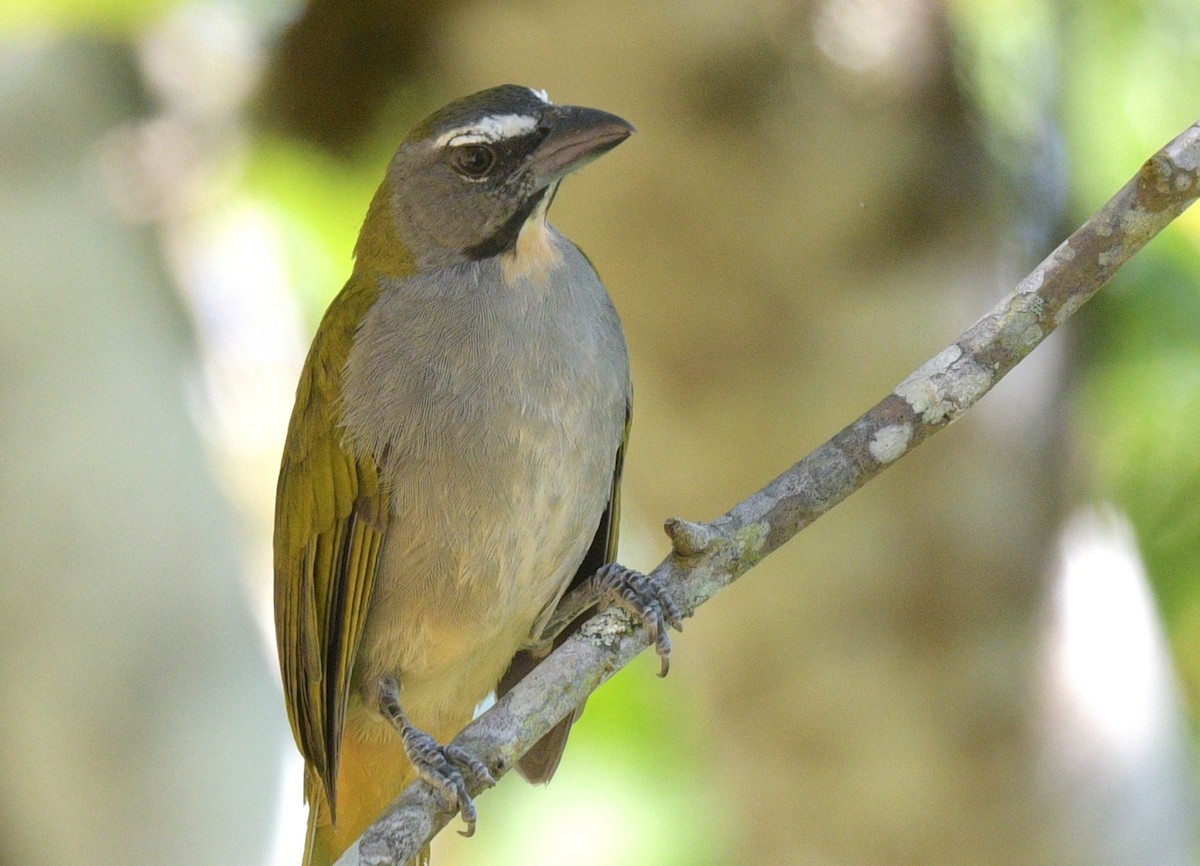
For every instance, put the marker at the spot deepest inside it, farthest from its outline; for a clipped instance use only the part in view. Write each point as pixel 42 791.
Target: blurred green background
pixel 961 665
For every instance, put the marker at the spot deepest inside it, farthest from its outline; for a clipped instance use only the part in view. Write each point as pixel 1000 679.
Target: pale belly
pixel 478 552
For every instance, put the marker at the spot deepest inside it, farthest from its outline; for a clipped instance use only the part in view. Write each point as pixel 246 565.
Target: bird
pixel 452 465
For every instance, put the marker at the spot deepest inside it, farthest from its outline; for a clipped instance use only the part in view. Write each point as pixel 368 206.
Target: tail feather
pixel 540 762
pixel 371 776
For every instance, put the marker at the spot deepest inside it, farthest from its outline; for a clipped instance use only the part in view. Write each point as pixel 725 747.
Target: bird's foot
pixel 446 768
pixel 647 600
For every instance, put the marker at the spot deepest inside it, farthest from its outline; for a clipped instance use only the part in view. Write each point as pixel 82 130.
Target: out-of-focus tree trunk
pixel 139 721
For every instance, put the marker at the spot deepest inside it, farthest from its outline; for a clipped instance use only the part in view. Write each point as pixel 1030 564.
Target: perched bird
pixel 452 462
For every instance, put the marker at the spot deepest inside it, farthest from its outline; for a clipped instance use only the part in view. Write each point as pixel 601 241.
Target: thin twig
pixel 708 557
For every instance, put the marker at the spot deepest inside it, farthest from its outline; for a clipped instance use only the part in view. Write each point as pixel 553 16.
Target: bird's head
pixel 469 176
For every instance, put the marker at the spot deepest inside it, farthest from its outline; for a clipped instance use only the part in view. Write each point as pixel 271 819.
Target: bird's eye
pixel 472 161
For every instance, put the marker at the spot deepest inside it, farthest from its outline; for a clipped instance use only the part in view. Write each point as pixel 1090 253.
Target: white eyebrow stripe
pixel 491 128
pixel 541 94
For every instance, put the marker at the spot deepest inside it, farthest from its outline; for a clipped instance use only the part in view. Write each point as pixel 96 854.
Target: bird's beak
pixel 577 136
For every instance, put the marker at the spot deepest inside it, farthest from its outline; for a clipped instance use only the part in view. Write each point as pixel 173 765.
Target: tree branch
pixel 708 557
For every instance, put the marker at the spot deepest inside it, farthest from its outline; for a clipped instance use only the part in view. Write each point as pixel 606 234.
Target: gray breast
pixel 460 359
pixel 495 412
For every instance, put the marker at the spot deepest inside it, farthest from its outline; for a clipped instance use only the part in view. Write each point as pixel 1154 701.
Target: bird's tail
pixel 372 775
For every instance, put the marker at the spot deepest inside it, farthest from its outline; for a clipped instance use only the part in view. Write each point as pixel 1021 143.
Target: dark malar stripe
pixel 505 238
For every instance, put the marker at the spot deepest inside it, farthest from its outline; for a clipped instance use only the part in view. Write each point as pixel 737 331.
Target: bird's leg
pixel 644 597
pixel 441 766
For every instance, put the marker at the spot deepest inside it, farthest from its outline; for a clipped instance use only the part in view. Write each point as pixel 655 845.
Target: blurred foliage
pixel 289 180
pixel 1066 98
pixel 1139 395
pixel 104 16
pixel 1120 78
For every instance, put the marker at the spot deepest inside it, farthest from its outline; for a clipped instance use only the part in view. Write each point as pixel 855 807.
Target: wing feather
pixel 329 525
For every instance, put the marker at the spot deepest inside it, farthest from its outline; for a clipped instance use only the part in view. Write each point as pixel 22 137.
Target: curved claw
pixel 443 767
pixel 465 762
pixel 446 768
pixel 646 599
